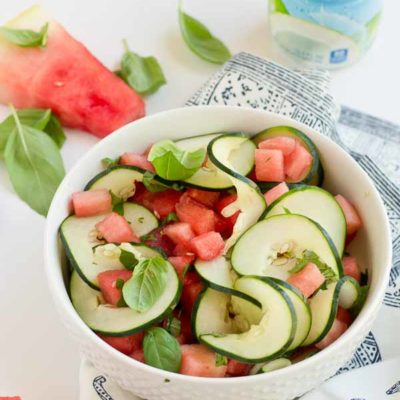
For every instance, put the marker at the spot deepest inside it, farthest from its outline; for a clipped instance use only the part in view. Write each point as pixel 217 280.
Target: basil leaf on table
pixel 173 163
pixel 34 165
pixel 201 41
pixel 143 74
pixel 40 119
pixel 146 285
pixel 161 350
pixel 26 37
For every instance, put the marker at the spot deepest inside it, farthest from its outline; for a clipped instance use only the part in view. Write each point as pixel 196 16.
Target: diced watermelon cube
pixel 208 246
pixel 344 316
pixel 283 143
pixel 199 360
pixel 276 192
pixel 181 263
pixel 125 344
pixel 136 160
pixel 269 165
pixel 353 220
pixel 115 229
pixel 158 240
pixel 237 368
pixel 107 283
pixel 205 197
pixel 138 355
pixel 337 330
pixel 181 250
pixel 198 216
pixel 161 203
pixel 179 232
pixel 91 202
pixel 308 280
pixel 192 286
pixel 223 225
pixel 350 267
pixel 297 163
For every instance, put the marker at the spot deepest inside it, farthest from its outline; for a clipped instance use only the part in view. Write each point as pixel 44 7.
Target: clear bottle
pixel 325 33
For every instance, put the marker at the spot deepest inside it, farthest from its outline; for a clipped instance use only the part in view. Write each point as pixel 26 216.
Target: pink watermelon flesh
pixel 353 220
pixel 297 164
pixel 138 355
pixel 276 192
pixel 107 283
pixel 179 232
pixel 181 263
pixel 283 143
pixel 308 280
pixel 337 330
pixel 125 344
pixel 136 160
pixel 208 245
pixel 65 77
pixel 198 360
pixel 350 267
pixel 91 202
pixel 115 229
pixel 204 197
pixel 269 165
pixel 182 250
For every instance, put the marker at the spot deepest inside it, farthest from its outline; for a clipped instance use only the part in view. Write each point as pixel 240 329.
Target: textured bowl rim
pixel 60 295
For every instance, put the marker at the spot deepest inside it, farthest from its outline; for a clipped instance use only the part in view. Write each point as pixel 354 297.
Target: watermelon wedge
pixel 65 77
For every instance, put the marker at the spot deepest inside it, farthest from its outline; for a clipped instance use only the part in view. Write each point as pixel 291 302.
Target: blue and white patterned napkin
pixel 250 81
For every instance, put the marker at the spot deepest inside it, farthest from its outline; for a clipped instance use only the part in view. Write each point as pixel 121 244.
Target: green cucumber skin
pixel 169 184
pixel 334 308
pixel 282 350
pixel 140 328
pixel 315 170
pixel 299 188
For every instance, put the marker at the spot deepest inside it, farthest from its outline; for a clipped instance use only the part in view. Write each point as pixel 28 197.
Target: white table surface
pixel 37 358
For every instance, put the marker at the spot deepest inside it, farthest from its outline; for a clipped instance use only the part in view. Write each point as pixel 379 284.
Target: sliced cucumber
pixel 211 313
pixel 324 306
pixel 313 174
pixel 121 321
pixel 316 204
pixel 210 177
pixel 303 313
pixel 266 340
pixel 255 253
pixel 250 200
pixel 274 365
pixel 78 236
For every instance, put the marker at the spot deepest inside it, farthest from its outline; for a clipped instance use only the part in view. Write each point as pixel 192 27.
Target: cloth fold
pixel 250 81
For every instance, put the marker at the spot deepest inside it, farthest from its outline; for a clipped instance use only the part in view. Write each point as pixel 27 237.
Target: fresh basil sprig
pixel 151 185
pixel 128 259
pixel 40 119
pixel 201 41
pixel 117 204
pixel 173 163
pixel 34 165
pixel 161 350
pixel 26 37
pixel 146 285
pixel 220 360
pixel 173 326
pixel 143 74
pixel 108 162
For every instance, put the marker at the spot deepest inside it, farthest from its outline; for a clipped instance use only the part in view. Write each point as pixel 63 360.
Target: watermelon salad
pixel 218 255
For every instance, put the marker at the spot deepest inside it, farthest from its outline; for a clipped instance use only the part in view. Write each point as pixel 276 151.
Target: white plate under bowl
pixel 342 175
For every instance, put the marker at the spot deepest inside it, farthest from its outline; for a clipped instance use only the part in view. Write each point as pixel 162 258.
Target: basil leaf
pixel 171 217
pixel 146 285
pixel 117 204
pixel 34 165
pixel 26 37
pixel 220 360
pixel 151 185
pixel 143 74
pixel 128 259
pixel 109 162
pixel 174 326
pixel 161 350
pixel 201 41
pixel 173 163
pixel 40 119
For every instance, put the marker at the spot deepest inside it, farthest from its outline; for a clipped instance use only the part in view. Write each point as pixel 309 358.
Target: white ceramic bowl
pixel 342 175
